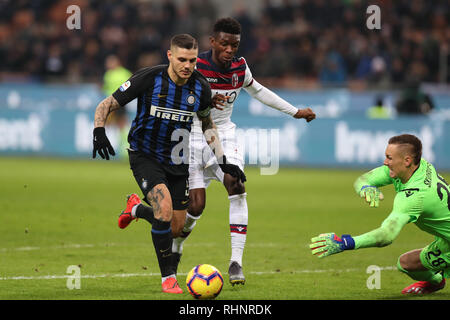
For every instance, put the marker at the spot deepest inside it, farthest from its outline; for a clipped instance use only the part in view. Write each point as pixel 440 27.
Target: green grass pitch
pixel 58 213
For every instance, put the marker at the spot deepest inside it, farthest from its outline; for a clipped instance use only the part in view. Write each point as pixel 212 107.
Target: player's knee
pixel 234 186
pixel 196 208
pixel 401 263
pixel 409 261
pixel 197 201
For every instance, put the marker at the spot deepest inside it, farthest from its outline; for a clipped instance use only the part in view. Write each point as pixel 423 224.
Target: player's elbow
pixel 384 237
pixel 389 230
pixel 384 242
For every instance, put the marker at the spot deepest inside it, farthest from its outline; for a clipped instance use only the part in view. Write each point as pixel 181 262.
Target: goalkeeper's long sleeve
pixel 385 234
pixel 377 177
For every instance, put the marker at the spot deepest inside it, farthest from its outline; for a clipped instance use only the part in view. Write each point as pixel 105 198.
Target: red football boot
pixel 125 217
pixel 170 285
pixel 423 287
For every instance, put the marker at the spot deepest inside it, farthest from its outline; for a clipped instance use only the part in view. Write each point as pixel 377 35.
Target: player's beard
pixel 180 77
pixel 184 73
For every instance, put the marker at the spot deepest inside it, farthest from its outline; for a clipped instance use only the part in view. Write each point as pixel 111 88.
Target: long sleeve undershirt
pixel 269 98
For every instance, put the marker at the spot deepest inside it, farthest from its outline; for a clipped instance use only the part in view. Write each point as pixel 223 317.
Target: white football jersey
pixel 227 82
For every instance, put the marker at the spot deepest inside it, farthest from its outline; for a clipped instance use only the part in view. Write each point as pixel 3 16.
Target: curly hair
pixel 227 25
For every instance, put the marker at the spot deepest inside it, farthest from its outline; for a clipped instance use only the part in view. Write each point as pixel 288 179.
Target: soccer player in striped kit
pixel 169 96
pixel 227 75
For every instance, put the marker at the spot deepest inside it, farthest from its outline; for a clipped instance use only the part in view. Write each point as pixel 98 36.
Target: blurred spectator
pixel 326 41
pixel 413 101
pixel 113 78
pixel 333 70
pixel 115 75
pixel 378 76
pixel 379 110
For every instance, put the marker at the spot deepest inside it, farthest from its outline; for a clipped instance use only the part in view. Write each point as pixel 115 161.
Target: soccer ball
pixel 204 282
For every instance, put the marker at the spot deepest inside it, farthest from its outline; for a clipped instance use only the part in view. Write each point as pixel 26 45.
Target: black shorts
pixel 148 173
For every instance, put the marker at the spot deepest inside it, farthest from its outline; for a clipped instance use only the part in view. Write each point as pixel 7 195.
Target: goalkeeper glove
pixel 232 169
pixel 329 243
pixel 102 144
pixel 372 195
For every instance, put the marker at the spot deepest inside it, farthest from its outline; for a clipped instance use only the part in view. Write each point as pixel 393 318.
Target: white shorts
pixel 203 166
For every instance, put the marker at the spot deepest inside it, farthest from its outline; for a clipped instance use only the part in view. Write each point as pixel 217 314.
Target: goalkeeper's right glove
pixel 326 244
pixel 232 169
pixel 372 195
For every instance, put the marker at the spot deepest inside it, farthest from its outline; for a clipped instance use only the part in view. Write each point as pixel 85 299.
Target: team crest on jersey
pixel 125 86
pixel 190 99
pixel 234 80
pixel 144 184
pixel 410 192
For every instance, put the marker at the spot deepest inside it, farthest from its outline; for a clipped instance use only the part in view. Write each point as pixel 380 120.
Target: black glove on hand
pixel 102 144
pixel 232 169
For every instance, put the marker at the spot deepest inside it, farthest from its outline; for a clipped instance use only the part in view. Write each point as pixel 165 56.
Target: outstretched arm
pixel 385 234
pixel 269 98
pixel 327 244
pixel 406 209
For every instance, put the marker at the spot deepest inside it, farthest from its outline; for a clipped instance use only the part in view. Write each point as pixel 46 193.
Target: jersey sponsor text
pixel 171 114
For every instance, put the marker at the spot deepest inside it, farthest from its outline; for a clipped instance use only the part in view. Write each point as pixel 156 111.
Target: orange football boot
pixel 125 217
pixel 423 287
pixel 170 285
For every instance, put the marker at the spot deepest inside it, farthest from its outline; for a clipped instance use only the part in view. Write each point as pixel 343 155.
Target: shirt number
pixel 443 187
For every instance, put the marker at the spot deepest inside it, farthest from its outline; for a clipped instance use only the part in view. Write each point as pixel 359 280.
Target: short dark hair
pixel 414 145
pixel 227 25
pixel 184 40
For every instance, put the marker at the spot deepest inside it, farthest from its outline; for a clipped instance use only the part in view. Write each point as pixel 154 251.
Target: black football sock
pixel 145 212
pixel 162 241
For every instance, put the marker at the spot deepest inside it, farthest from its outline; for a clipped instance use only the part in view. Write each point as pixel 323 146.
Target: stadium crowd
pixel 322 42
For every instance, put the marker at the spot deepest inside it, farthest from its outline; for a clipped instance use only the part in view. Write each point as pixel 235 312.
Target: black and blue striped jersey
pixel 162 108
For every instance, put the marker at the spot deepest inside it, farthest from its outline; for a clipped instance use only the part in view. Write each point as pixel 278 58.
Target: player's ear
pixel 212 40
pixel 169 54
pixel 408 160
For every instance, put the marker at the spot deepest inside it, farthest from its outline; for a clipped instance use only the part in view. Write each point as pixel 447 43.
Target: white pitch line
pixel 64 246
pixel 127 275
pixel 93 276
pixel 89 245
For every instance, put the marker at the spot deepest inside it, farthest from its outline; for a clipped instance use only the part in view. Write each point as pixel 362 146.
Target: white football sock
pixel 133 210
pixel 238 225
pixel 189 224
